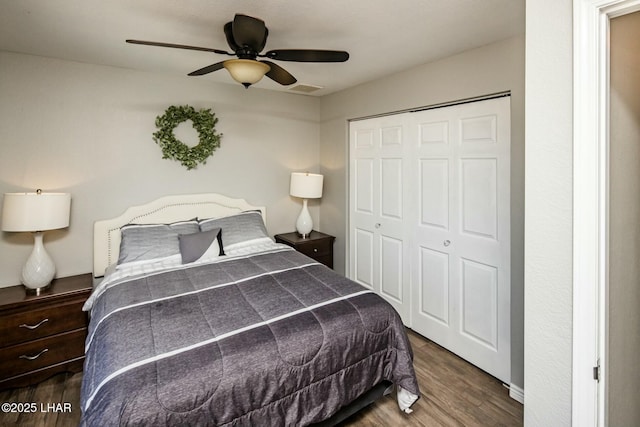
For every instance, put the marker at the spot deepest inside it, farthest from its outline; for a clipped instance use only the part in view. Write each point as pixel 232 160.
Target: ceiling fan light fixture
pixel 246 71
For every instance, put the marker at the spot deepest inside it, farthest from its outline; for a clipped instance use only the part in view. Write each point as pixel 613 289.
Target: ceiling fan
pixel 247 37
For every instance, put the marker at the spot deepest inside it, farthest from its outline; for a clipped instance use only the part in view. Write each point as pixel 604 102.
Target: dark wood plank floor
pixel 454 393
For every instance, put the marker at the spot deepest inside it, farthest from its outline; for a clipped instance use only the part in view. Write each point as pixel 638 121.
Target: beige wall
pixel 548 212
pixel 489 69
pixel 624 250
pixel 87 129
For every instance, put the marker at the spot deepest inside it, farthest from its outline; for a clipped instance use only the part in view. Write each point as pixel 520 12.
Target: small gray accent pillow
pixel 150 241
pixel 242 227
pixel 194 246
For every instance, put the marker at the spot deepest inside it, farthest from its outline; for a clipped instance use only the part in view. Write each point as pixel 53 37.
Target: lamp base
pixel 36 291
pixel 304 224
pixel 39 269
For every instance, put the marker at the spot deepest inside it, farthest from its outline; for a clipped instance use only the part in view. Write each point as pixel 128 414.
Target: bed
pixel 201 319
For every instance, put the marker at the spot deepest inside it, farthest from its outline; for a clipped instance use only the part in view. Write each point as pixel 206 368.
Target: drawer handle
pixel 315 249
pixel 24 356
pixel 24 325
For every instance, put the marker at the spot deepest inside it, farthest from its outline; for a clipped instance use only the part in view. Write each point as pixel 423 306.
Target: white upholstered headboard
pixel 106 233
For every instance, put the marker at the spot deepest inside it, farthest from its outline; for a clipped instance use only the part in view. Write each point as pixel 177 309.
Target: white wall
pixel 494 68
pixel 87 129
pixel 624 210
pixel 548 213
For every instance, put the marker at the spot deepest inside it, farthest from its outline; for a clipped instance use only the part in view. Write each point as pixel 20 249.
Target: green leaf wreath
pixel 204 122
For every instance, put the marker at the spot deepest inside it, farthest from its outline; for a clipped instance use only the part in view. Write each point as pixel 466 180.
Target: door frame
pixel 591 204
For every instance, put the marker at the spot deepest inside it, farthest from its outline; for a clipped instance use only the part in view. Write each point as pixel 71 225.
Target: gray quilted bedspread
pixel 269 339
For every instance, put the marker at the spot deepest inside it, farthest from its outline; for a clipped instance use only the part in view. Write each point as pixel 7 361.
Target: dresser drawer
pixel 29 325
pixel 315 249
pixel 40 353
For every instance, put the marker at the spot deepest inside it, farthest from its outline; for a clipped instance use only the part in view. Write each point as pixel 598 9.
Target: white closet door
pixel 461 246
pixel 429 225
pixel 378 251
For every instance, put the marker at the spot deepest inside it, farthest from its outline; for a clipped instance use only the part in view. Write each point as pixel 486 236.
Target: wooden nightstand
pixel 42 335
pixel 318 246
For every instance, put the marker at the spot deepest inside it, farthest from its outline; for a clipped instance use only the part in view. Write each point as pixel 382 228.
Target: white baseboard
pixel 516 393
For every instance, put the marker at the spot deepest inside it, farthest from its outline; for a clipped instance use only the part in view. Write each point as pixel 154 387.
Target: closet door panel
pixel 394 273
pixel 364 184
pixel 434 133
pixel 478 196
pixel 391 225
pixel 429 223
pixel 377 188
pixel 391 188
pixel 390 134
pixel 464 175
pixel 479 129
pixel 391 268
pixel 364 187
pixel 433 285
pixel 433 276
pixel 363 257
pixel 478 302
pixel 433 193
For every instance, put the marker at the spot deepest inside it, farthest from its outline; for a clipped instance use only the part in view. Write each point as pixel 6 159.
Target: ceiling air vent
pixel 305 88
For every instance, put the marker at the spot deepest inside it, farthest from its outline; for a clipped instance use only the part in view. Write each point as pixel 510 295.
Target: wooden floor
pixel 454 393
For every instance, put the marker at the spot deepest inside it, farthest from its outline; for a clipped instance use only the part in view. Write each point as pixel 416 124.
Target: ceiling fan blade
pixel 279 74
pixel 307 55
pixel 178 46
pixel 208 69
pixel 249 31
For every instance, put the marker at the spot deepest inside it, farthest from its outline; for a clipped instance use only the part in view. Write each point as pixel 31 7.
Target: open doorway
pixel 623 318
pixel 606 242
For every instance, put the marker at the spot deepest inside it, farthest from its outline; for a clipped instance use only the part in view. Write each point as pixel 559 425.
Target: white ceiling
pixel 382 36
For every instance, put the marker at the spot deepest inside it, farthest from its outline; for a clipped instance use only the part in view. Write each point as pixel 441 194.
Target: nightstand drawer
pixel 315 249
pixel 33 324
pixel 325 259
pixel 317 245
pixel 36 354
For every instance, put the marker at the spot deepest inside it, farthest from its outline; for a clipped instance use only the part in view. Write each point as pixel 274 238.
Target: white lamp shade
pixel 246 71
pixel 306 185
pixel 35 211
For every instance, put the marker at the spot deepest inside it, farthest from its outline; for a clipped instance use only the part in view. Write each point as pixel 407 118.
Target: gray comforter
pixel 270 339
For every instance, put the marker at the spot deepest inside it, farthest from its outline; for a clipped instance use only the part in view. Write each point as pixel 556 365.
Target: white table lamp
pixel 306 186
pixel 36 212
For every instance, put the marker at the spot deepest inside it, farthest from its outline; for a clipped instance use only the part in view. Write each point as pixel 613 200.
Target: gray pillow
pixel 238 228
pixel 193 246
pixel 141 242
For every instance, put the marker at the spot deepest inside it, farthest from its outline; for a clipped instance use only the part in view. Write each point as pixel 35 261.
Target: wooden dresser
pixel 318 246
pixel 42 335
